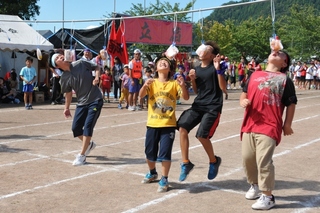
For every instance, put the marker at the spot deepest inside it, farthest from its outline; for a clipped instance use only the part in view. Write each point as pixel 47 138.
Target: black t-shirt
pixel 209 97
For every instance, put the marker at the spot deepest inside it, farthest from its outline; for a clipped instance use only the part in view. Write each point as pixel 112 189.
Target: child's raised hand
pixel 149 82
pixel 216 62
pixel 180 80
pixel 245 102
pixel 192 74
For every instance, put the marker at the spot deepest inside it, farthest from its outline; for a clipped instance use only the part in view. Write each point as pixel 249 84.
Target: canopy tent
pixel 17 41
pixel 16 35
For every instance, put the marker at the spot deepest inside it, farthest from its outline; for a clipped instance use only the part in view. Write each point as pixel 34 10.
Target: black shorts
pixel 208 122
pixel 232 79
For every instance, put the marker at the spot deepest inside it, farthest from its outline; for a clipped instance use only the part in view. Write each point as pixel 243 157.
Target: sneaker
pixel 91 146
pixel 53 103
pixel 27 107
pixel 253 192
pixel 226 98
pixel 264 203
pixel 131 108
pixel 178 102
pixel 214 168
pixel 149 178
pixel 186 168
pixel 138 108
pixel 30 106
pixel 80 160
pixel 108 101
pixel 119 106
pixel 163 185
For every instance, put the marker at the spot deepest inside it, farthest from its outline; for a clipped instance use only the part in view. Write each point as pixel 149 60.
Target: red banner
pixel 157 32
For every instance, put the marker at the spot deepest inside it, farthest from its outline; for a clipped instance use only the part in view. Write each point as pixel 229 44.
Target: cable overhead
pixel 142 16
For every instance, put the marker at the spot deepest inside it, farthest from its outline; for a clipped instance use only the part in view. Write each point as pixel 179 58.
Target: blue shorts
pixel 136 87
pixel 27 88
pixel 162 137
pixel 85 118
pixel 241 77
pixel 208 122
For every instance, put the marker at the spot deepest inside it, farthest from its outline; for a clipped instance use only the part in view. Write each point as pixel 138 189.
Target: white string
pixel 201 25
pixel 143 16
pixel 273 16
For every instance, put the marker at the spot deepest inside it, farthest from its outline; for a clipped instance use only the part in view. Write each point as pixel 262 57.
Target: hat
pixel 226 58
pixel 126 66
pixel 137 51
pixel 151 63
pixel 86 50
pixel 167 59
pixel 53 60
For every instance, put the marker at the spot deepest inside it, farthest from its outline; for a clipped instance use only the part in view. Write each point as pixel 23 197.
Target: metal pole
pixel 62 22
pixel 62 14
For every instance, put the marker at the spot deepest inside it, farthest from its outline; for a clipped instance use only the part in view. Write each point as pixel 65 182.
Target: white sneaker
pixel 253 192
pixel 80 160
pixel 138 108
pixel 131 108
pixel 264 203
pixel 91 146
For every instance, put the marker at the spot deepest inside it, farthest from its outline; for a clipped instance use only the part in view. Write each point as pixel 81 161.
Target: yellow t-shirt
pixel 162 99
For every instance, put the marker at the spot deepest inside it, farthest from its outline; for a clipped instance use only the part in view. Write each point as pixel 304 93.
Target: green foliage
pixel 26 9
pixel 251 26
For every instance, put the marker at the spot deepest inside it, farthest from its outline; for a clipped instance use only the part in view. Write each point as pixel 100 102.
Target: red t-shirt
pixel 304 70
pixel 106 81
pixel 264 114
pixel 241 69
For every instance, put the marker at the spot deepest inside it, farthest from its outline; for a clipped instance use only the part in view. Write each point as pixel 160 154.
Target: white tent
pixel 16 38
pixel 16 35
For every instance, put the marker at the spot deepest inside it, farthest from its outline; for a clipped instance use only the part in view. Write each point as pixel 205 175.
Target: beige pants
pixel 257 151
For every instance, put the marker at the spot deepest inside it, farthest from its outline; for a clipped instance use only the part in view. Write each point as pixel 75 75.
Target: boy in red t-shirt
pixel 106 83
pixel 265 97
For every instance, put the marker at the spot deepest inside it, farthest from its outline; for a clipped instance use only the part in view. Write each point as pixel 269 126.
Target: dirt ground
pixel 37 150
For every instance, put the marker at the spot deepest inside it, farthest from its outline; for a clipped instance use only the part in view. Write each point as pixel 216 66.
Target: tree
pixel 25 9
pixel 300 32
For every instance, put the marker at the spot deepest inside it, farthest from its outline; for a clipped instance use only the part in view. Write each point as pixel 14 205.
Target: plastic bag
pixel 275 44
pixel 69 55
pixel 39 54
pixel 202 50
pixel 172 51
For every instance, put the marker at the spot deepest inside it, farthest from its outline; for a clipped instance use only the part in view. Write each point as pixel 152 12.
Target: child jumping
pixel 161 123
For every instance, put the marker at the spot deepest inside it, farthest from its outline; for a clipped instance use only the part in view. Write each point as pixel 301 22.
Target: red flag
pixel 111 47
pixel 117 45
pixel 124 53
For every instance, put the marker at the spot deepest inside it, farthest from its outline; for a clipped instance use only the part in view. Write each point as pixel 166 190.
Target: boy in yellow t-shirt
pixel 161 124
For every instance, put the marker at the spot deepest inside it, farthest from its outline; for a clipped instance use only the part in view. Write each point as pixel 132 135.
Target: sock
pixel 185 161
pixel 165 177
pixel 153 171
